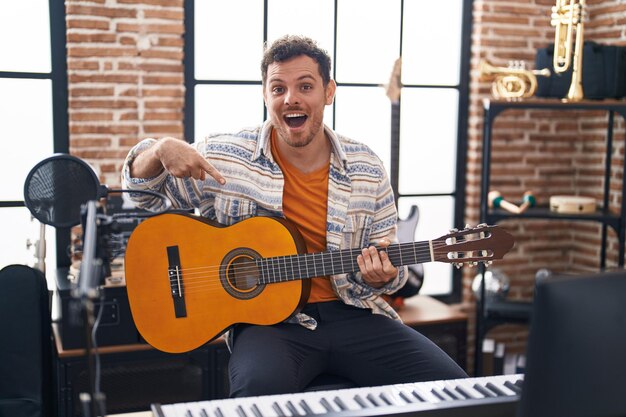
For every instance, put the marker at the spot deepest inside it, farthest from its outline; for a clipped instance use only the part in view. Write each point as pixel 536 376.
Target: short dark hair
pixel 290 46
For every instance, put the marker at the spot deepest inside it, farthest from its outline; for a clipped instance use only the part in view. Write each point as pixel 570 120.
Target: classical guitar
pixel 189 279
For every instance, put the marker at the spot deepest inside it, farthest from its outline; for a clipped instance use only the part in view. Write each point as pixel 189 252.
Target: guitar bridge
pixel 175 275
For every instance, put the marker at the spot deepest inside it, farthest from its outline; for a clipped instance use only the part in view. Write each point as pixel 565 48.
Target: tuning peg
pixel 458 265
pixel 454 230
pixel 482 225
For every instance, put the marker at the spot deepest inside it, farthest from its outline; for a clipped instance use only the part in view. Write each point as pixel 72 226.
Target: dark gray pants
pixel 366 348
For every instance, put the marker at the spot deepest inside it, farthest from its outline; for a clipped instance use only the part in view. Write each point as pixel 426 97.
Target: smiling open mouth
pixel 295 119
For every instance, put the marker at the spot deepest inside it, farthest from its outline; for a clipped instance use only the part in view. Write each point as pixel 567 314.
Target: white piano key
pixel 264 404
pixel 468 387
pixel 313 400
pixel 423 389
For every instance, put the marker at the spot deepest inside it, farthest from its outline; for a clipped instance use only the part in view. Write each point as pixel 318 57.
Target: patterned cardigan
pixel 361 207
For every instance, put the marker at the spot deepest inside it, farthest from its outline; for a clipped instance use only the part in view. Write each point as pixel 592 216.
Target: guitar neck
pixel 310 265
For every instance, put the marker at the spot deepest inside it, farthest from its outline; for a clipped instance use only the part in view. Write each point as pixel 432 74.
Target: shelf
pixel 602 216
pixel 490 314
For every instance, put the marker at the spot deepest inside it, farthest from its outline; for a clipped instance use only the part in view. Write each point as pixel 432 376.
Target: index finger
pixel 212 171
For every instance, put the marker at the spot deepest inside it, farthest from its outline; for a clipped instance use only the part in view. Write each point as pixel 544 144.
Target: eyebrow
pixel 306 76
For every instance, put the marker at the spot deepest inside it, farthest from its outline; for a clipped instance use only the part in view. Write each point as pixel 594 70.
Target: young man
pixel 337 193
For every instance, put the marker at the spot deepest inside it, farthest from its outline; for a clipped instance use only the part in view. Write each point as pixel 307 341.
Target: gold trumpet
pixel 513 82
pixel 567 17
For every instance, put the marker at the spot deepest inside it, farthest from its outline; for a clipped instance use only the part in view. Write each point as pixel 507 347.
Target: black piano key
pixel 406 397
pixel 326 404
pixel 484 391
pixel 360 401
pixel 256 411
pixel 451 394
pixel 463 391
pixel 383 396
pixel 218 412
pixel 278 409
pixel 241 412
pixel 292 408
pixel 439 394
pixel 510 385
pixel 341 404
pixel 496 389
pixel 188 413
pixel 203 413
pixel 519 382
pixel 372 398
pixel 306 407
pixel 418 396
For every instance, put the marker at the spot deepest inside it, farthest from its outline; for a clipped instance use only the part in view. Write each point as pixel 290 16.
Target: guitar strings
pixel 323 255
pixel 201 279
pixel 326 263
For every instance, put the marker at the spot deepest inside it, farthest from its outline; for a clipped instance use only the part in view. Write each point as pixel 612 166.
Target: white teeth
pixel 295 115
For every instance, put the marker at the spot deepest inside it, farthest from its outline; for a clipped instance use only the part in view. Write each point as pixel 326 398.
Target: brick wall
pixel 547 152
pixel 125 76
pixel 126 83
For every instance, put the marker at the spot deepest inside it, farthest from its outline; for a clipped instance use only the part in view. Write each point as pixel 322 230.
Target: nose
pixel 292 97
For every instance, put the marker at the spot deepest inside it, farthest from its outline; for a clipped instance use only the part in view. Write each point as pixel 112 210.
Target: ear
pixel 264 96
pixel 331 88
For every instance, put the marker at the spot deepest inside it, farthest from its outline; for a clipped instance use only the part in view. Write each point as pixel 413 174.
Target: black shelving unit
pixel 491 314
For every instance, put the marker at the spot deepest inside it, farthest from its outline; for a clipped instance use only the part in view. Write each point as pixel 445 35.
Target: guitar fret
pixel 306 265
pixel 283 274
pixel 274 270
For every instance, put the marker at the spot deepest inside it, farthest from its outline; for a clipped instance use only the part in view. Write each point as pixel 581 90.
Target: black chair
pixel 25 344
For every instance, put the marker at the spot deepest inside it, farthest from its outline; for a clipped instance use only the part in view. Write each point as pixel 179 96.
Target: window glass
pixel 25 26
pixel 19 235
pixel 368 40
pixel 227 108
pixel 428 140
pixel 314 19
pixel 431 43
pixel 364 114
pixel 26 131
pixel 436 216
pixel 228 39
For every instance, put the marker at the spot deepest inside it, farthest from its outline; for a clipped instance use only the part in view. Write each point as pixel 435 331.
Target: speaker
pixel 133 380
pixel 116 325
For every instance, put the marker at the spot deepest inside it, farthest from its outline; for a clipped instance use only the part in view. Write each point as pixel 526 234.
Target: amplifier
pixel 116 325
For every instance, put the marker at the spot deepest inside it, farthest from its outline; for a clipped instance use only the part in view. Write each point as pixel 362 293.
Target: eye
pixel 277 90
pixel 307 87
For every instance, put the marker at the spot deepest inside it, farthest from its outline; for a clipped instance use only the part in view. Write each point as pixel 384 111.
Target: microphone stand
pixel 93 269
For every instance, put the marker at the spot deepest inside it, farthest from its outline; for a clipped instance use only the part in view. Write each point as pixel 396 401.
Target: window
pixel 33 118
pixel 223 51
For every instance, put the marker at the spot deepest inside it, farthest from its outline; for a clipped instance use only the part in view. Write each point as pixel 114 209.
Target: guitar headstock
pixel 472 245
pixel 395 84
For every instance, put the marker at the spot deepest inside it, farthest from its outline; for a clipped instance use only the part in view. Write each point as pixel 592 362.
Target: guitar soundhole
pixel 239 274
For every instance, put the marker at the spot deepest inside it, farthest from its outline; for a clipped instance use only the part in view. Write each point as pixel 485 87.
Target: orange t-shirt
pixel 308 191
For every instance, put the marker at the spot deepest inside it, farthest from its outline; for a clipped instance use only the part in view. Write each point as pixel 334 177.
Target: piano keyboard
pixel 484 397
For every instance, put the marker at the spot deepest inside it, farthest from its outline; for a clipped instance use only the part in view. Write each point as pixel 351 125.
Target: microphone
pixel 57 187
pixel 62 191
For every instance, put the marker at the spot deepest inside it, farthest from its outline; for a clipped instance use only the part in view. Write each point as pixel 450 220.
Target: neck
pixel 308 158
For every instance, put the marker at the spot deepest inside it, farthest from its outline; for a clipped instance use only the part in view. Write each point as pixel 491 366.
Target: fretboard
pixel 294 267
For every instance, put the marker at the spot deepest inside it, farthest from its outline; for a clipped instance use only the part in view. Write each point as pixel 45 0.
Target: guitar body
pixel 189 279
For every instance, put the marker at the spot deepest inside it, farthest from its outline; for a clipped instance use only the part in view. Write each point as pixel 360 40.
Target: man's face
pixel 295 97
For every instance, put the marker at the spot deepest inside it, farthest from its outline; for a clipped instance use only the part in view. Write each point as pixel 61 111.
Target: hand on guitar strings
pixel 375 266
